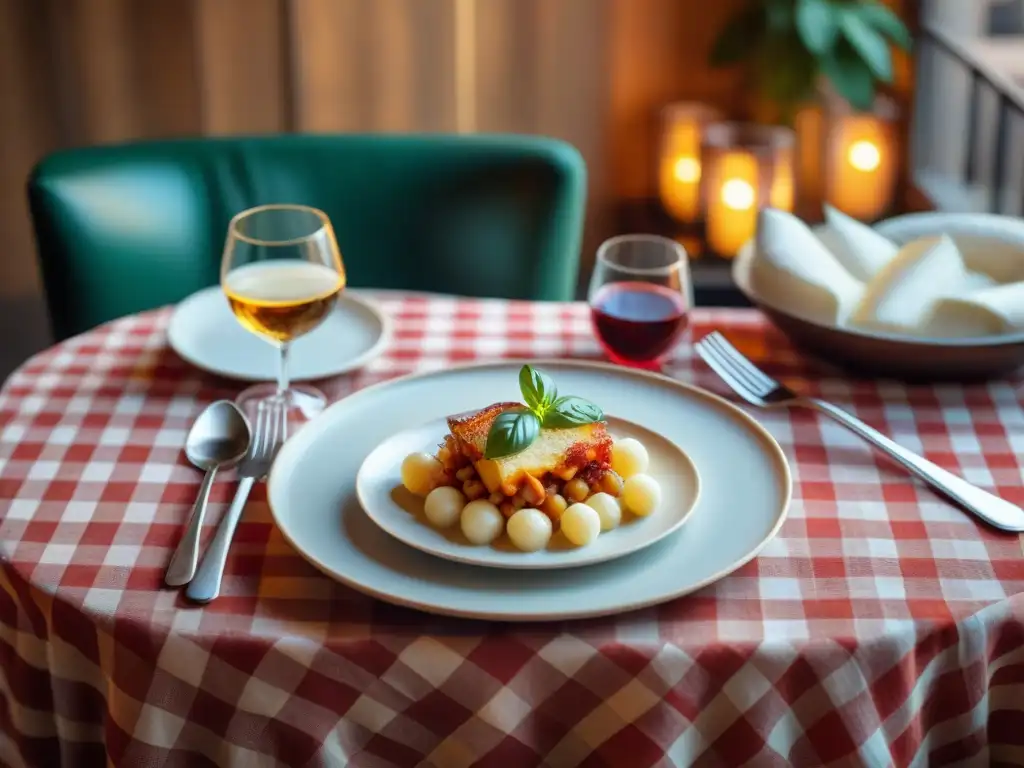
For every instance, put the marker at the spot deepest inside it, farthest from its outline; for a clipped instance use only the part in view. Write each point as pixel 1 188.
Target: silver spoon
pixel 219 438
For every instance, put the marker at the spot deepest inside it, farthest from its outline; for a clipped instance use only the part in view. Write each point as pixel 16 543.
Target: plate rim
pixel 771 445
pixel 532 565
pixel 366 303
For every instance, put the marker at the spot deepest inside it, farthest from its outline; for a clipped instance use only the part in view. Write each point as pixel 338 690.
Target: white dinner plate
pixel 205 333
pixel 745 491
pixel 400 513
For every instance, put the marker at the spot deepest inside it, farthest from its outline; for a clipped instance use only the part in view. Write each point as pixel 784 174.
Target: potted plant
pixel 788 47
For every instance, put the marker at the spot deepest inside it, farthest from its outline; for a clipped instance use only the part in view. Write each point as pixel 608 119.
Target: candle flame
pixel 687 170
pixel 738 195
pixel 864 156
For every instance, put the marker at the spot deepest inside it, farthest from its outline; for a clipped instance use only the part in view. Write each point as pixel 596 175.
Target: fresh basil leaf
pixel 511 432
pixel 539 390
pixel 887 22
pixel 817 21
pixel 850 76
pixel 739 36
pixel 572 411
pixel 869 45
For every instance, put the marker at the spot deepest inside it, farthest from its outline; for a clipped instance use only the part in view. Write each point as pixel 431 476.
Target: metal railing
pixel 1009 102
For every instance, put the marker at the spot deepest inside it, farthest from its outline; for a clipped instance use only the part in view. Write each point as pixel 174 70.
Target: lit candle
pixel 861 166
pixel 746 167
pixel 679 165
pixel 732 203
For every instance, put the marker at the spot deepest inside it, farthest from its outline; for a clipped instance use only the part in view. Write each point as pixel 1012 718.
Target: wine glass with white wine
pixel 282 274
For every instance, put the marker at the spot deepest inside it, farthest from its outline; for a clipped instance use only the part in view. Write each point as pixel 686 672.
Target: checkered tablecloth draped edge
pixel 881 627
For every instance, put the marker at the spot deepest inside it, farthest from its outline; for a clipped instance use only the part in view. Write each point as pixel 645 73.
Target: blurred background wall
pixel 593 72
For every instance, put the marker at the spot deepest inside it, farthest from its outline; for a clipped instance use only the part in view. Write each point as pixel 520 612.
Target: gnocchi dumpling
pixel 629 457
pixel 529 529
pixel 608 510
pixel 421 473
pixel 581 524
pixel 641 495
pixel 481 522
pixel 443 506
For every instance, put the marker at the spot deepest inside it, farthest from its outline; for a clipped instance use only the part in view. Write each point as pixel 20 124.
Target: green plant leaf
pixel 868 43
pixel 539 390
pixel 511 432
pixel 779 15
pixel 738 37
pixel 850 75
pixel 885 21
pixel 786 71
pixel 817 21
pixel 572 411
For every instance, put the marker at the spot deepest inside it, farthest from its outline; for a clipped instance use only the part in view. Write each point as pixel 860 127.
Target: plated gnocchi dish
pixel 533 470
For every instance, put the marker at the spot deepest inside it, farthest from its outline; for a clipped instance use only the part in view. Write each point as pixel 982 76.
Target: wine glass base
pixel 302 401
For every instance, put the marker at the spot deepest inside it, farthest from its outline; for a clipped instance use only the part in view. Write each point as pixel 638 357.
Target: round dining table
pixel 881 626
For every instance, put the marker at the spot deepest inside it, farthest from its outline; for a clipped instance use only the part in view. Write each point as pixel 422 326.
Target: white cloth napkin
pixel 859 248
pixel 990 311
pixel 902 297
pixel 793 270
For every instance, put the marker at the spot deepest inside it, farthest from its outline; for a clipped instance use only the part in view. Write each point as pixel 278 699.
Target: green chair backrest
pixel 130 227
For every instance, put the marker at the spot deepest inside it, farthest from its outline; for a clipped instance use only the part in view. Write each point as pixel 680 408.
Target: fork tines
pixel 735 370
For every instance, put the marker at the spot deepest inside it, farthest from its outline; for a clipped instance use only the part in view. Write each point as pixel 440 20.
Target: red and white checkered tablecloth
pixel 881 627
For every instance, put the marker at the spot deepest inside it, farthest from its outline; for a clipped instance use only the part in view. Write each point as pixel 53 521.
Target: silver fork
pixel 269 434
pixel 750 383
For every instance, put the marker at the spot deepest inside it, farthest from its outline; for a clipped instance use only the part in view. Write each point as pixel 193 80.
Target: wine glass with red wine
pixel 640 298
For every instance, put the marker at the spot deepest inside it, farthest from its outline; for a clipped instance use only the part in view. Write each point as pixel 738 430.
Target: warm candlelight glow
pixel 861 166
pixel 864 156
pixel 679 161
pixel 745 167
pixel 738 195
pixel 687 170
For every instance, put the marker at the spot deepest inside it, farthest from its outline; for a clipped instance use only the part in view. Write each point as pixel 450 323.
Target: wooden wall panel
pixel 94 69
pixel 242 66
pixel 542 68
pixel 165 54
pixel 27 130
pixel 327 46
pixel 388 65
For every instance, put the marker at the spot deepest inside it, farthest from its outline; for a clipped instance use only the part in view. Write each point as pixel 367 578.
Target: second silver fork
pixel 270 430
pixel 753 385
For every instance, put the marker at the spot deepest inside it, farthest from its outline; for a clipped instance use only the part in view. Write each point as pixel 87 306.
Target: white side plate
pixel 400 513
pixel 206 334
pixel 744 476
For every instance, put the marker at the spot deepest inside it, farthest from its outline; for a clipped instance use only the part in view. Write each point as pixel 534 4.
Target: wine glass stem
pixel 282 370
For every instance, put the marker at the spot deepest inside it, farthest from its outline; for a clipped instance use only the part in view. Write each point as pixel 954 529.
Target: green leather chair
pixel 134 226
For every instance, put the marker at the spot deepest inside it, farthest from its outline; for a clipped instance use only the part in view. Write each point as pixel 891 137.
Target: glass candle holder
pixel 860 159
pixel 848 158
pixel 745 168
pixel 679 164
